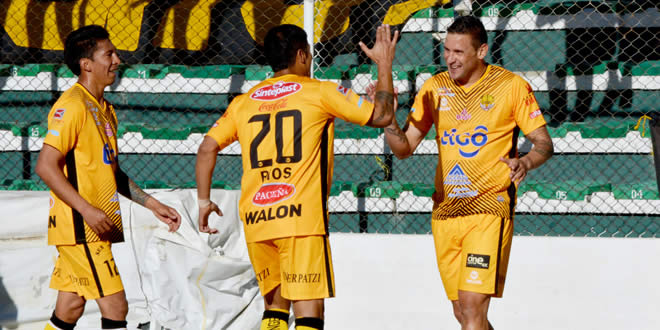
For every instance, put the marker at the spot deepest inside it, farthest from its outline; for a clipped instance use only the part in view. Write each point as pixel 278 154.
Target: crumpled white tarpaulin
pixel 182 280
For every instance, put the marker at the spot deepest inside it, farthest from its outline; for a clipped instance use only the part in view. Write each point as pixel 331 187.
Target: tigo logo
pixel 272 193
pixel 276 91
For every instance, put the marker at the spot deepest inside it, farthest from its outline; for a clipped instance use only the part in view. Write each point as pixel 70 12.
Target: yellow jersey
pixel 85 132
pixel 475 126
pixel 285 127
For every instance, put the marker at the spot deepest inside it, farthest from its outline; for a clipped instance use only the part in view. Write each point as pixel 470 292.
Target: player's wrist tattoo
pixel 387 100
pixel 396 131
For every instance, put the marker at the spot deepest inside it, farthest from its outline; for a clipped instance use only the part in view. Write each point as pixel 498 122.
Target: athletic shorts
pixel 473 253
pixel 301 265
pixel 86 269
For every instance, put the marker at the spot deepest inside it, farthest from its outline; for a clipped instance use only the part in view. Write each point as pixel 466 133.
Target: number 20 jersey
pixel 285 127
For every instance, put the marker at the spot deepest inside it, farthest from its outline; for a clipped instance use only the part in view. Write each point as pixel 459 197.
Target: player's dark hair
pixel 81 43
pixel 472 26
pixel 281 45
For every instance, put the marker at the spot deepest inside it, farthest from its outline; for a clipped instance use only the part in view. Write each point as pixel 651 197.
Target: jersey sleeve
pixel 224 130
pixel 527 112
pixel 420 114
pixel 343 103
pixel 65 122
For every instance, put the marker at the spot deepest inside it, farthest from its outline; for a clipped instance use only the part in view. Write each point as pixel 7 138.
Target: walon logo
pixel 276 91
pixel 478 261
pixel 272 193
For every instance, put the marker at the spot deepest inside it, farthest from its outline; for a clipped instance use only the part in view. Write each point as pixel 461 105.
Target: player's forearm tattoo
pixel 396 131
pixel 544 148
pixel 136 194
pixel 387 100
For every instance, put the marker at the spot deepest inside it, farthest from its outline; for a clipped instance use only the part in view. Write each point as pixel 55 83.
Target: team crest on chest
pixel 487 102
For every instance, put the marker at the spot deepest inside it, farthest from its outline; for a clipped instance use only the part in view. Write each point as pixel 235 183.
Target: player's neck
pixel 474 77
pixel 95 89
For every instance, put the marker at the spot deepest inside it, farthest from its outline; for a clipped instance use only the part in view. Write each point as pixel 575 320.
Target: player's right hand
pixel 383 50
pixel 371 94
pixel 204 213
pixel 98 221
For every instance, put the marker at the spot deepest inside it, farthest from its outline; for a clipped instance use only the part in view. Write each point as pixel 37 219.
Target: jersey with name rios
pixel 285 127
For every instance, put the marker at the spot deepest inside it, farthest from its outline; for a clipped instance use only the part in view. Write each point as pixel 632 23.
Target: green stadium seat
pixel 646 190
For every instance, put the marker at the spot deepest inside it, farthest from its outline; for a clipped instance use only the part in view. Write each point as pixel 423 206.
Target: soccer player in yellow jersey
pixel 285 126
pixel 478 111
pixel 80 164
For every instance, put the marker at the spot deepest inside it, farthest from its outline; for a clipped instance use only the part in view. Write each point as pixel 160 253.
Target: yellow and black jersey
pixel 85 132
pixel 475 126
pixel 285 127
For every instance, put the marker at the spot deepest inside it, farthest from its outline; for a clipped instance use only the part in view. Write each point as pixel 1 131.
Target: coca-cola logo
pixel 276 91
pixel 268 107
pixel 272 193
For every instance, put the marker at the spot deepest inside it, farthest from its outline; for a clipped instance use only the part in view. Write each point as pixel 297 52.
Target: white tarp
pixel 182 280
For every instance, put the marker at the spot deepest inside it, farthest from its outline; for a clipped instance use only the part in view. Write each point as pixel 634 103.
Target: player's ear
pixel 85 64
pixel 482 51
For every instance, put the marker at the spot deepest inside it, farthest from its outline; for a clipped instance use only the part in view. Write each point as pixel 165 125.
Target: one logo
pixel 457 177
pixel 272 193
pixel 487 102
pixel 478 261
pixel 466 140
pixel 108 130
pixel 464 115
pixel 535 114
pixel 342 89
pixel 276 91
pixel 444 91
pixel 59 114
pixel 53 132
pixel 444 104
pixel 267 107
pixel 108 155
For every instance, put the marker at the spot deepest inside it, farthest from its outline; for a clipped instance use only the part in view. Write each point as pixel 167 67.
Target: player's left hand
pixel 518 169
pixel 166 214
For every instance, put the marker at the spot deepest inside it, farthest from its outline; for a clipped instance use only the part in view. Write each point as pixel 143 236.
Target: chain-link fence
pixel 594 66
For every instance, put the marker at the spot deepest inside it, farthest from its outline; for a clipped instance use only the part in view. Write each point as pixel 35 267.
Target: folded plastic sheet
pixel 181 280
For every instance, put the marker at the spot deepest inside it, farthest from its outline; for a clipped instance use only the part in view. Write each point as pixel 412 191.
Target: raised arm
pixel 127 187
pixel 206 157
pixel 541 151
pixel 50 168
pixel 382 54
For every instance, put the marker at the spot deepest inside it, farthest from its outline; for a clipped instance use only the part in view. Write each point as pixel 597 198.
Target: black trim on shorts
pixel 72 177
pixel 499 255
pixel 93 268
pixel 312 322
pixel 271 314
pixel 328 273
pixel 324 174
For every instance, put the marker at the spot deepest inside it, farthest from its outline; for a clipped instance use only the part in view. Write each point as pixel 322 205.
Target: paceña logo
pixel 276 91
pixel 272 193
